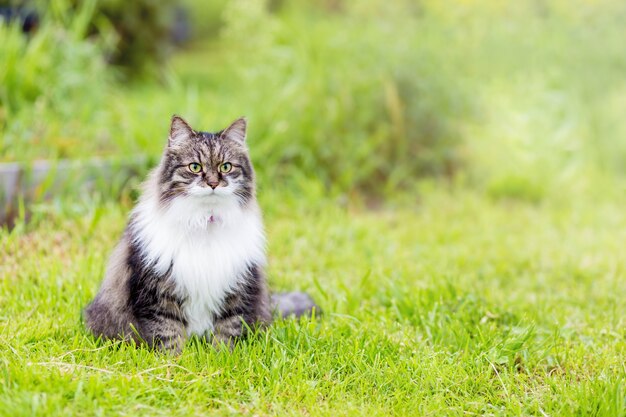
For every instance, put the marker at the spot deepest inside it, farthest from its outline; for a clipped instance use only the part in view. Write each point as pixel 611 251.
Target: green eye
pixel 226 167
pixel 195 167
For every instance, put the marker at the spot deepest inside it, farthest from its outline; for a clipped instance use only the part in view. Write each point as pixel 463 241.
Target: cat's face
pixel 213 168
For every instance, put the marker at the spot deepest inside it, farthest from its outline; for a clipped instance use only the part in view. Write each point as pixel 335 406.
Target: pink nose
pixel 213 184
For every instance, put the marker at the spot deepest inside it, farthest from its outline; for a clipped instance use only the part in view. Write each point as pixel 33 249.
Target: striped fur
pixel 191 259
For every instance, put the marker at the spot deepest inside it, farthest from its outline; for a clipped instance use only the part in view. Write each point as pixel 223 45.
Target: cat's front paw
pixel 227 331
pixel 170 345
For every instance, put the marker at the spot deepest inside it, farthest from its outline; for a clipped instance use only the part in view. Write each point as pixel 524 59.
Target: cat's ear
pixel 179 131
pixel 236 130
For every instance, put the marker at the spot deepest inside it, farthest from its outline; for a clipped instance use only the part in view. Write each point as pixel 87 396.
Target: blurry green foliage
pixel 356 107
pixel 137 34
pixel 205 17
pixel 518 188
pixel 364 96
pixel 50 80
pixel 143 31
pixel 34 66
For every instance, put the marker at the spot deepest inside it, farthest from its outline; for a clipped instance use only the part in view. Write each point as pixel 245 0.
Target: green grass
pixel 497 291
pixel 459 304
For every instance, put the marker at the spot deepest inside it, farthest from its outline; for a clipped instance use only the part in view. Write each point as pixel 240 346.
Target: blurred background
pixel 360 101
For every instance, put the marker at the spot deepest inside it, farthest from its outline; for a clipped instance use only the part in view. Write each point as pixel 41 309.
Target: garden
pixel 447 179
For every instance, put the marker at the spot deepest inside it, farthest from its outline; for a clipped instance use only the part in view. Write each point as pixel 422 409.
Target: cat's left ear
pixel 236 130
pixel 179 131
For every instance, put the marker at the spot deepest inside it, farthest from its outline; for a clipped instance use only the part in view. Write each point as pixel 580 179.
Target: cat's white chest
pixel 208 261
pixel 206 268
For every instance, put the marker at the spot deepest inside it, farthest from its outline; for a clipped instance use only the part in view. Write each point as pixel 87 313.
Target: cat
pixel 191 259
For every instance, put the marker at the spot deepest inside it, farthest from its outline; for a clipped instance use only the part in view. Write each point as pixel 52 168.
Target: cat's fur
pixel 191 259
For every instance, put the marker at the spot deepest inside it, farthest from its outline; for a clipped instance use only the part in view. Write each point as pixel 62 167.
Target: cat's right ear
pixel 179 131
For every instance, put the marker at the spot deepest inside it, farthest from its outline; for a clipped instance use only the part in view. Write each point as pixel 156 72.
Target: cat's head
pixel 213 168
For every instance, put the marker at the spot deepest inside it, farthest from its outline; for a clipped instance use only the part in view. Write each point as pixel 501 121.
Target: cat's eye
pixel 195 167
pixel 226 167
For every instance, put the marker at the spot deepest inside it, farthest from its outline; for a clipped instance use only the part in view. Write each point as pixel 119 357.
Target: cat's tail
pixel 295 304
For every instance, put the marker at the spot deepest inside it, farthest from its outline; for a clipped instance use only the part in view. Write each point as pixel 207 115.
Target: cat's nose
pixel 213 184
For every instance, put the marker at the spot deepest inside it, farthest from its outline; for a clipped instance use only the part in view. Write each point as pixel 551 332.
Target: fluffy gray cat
pixel 191 259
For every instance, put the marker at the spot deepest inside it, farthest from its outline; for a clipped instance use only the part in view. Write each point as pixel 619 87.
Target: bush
pixel 205 17
pixel 361 96
pixel 49 80
pixel 143 31
pixel 342 95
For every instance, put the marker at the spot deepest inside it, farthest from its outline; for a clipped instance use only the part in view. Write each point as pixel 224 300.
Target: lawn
pixel 454 304
pixel 447 181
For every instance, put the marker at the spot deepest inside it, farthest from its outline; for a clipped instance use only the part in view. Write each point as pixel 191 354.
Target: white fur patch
pixel 208 239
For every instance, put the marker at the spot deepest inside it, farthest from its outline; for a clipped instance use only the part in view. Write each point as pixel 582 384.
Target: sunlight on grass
pixel 445 178
pixel 456 304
